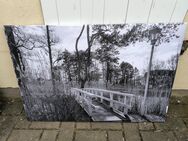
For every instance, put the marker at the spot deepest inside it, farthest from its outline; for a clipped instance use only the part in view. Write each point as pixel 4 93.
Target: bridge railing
pixel 119 102
pixel 126 98
pixel 84 98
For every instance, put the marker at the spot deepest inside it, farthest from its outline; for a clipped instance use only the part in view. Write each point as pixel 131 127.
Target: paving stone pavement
pixel 15 127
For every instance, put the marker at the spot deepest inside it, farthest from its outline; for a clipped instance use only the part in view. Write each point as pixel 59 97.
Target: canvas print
pixel 120 72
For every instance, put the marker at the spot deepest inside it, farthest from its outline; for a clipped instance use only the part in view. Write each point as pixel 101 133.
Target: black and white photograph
pixel 112 72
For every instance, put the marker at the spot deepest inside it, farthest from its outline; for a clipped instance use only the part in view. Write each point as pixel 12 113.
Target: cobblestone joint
pixel 14 126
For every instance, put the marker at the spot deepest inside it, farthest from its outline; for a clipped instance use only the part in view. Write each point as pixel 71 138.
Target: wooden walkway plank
pixel 98 111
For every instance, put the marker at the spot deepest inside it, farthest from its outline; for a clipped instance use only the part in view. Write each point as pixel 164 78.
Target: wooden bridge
pixel 105 105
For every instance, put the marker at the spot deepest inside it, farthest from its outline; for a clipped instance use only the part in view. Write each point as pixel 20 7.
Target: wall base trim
pixel 15 93
pixel 10 93
pixel 180 92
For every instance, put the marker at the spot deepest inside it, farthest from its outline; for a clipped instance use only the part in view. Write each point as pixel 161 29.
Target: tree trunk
pixel 51 62
pixel 88 54
pixel 15 52
pixel 17 61
pixel 126 80
pixel 78 55
pixel 82 85
pixel 69 76
pixel 107 73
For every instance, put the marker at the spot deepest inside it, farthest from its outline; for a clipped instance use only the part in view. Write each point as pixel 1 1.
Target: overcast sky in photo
pixel 136 54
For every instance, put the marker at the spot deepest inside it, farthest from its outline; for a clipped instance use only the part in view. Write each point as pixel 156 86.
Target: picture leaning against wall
pixel 96 72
